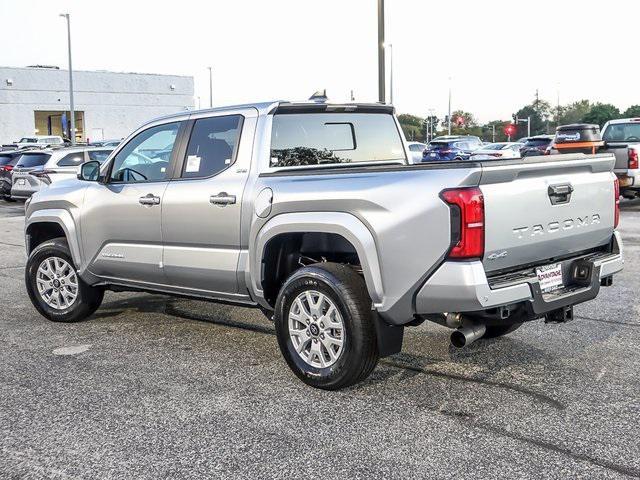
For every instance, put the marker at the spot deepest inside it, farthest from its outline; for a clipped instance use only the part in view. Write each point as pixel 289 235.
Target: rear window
pixel 537 142
pixel 622 132
pixel 33 159
pixel 440 145
pixel 333 138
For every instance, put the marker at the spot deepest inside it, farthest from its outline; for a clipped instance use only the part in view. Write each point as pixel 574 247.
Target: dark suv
pixel 451 148
pixel 8 160
pixel 537 145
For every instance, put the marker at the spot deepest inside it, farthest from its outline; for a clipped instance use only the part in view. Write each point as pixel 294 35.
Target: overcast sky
pixel 496 52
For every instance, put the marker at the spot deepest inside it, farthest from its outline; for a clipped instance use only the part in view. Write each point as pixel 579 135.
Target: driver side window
pixel 146 157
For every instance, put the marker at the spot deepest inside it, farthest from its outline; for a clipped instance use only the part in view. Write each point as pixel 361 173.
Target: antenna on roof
pixel 319 96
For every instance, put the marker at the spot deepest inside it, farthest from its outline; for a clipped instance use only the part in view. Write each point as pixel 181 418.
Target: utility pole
pixel 353 98
pixel 381 71
pixel 449 121
pixel 210 87
pixel 72 113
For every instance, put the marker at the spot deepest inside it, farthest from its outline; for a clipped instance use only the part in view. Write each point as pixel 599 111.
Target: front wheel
pixel 325 326
pixel 54 286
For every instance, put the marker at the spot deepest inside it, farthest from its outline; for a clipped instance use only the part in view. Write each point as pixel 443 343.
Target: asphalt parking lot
pixel 155 387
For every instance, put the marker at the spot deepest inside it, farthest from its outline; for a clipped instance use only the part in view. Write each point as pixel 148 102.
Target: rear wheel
pixel 54 286
pixel 494 331
pixel 325 327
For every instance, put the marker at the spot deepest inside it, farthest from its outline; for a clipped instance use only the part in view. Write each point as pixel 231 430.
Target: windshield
pixel 299 139
pixel 33 160
pixel 622 132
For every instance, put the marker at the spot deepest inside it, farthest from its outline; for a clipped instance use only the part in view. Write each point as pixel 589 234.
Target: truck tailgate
pixel 541 208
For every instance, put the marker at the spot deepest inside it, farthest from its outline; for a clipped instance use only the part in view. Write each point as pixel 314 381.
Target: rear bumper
pixel 629 179
pixel 464 286
pixel 22 194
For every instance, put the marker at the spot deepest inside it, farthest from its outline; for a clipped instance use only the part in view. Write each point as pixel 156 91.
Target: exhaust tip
pixel 467 334
pixel 458 339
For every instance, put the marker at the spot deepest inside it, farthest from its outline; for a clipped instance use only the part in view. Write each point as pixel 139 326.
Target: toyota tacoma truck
pixel 312 213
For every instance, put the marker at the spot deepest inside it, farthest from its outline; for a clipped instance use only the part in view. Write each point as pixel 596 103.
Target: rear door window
pixel 29 160
pixel 306 139
pixel 212 146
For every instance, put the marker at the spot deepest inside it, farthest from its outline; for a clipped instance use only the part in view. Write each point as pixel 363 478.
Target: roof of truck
pixel 265 108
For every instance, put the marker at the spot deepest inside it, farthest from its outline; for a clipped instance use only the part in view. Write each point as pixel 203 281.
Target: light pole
pixel 449 122
pixel 391 74
pixel 210 87
pixel 381 72
pixel 72 113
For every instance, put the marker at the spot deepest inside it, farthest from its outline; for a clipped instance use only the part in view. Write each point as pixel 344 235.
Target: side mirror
pixel 89 171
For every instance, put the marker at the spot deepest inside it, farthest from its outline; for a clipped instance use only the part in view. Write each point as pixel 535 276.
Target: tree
pixel 632 111
pixel 539 112
pixel 574 112
pixel 462 119
pixel 601 113
pixel 412 126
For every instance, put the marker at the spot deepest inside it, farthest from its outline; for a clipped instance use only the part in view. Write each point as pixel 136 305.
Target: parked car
pixel 537 145
pixel 622 138
pixel 311 212
pixel 500 150
pixel 8 160
pixel 41 141
pixel 451 148
pixel 415 150
pixel 38 168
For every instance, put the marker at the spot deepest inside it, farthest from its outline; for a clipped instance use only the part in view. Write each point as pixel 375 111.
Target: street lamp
pixel 381 73
pixel 390 45
pixel 210 88
pixel 72 112
pixel 449 122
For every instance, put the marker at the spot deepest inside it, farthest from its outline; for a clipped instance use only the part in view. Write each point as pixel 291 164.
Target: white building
pixel 108 105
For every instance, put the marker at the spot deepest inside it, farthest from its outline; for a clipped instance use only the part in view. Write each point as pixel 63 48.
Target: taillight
pixel 633 158
pixel 468 210
pixel 7 168
pixel 616 199
pixel 445 152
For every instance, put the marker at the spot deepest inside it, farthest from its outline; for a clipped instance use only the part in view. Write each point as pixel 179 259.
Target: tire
pixel 346 291
pixel 53 254
pixel 494 331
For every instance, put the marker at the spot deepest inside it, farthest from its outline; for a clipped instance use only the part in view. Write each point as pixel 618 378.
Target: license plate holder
pixel 21 181
pixel 550 277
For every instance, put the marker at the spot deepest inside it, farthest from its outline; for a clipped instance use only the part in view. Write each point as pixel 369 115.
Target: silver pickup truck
pixel 622 138
pixel 311 212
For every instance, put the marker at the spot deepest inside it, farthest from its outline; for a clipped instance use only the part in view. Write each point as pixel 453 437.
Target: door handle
pixel 222 199
pixel 149 199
